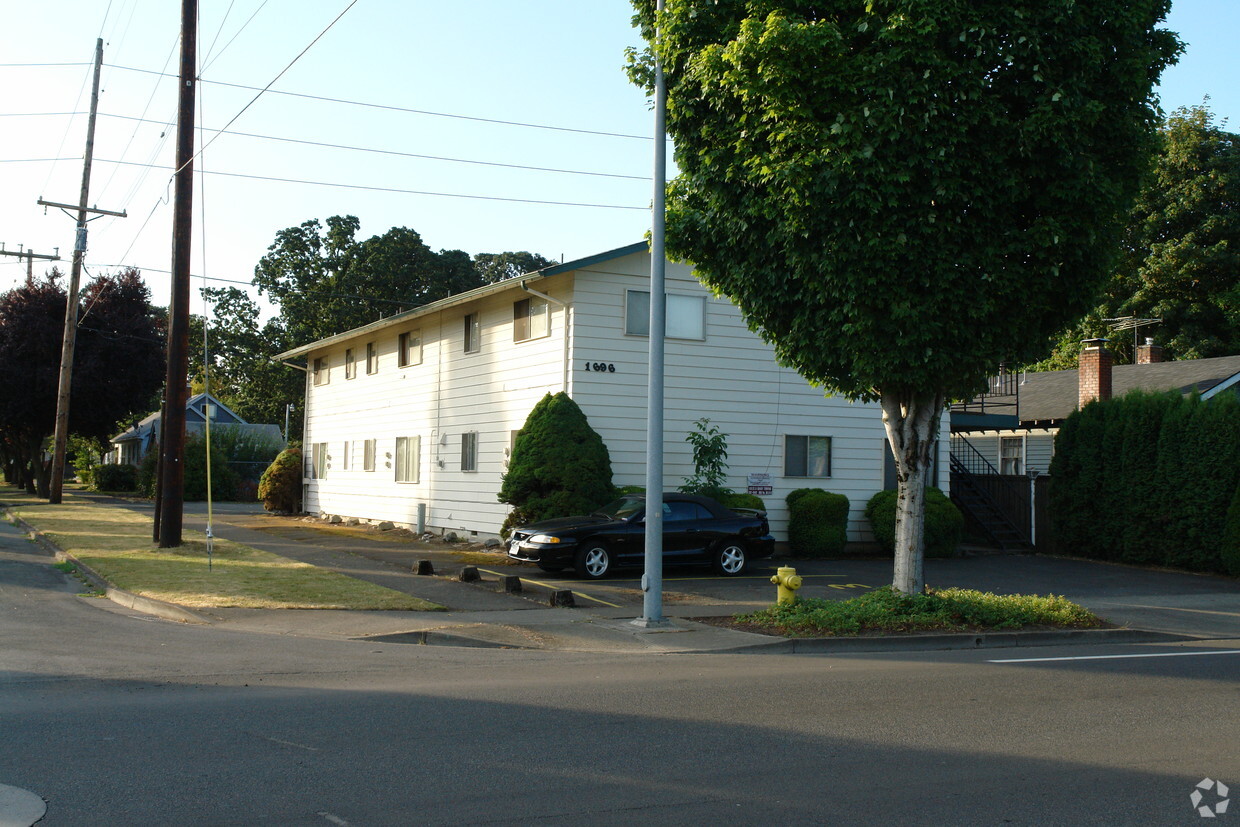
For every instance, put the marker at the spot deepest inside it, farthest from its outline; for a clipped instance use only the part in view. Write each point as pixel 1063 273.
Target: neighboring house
pixel 130 446
pixel 1003 441
pixel 420 410
pixel 1022 439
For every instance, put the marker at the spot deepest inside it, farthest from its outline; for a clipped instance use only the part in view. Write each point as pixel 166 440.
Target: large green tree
pixel 898 193
pixel 1180 259
pixel 117 368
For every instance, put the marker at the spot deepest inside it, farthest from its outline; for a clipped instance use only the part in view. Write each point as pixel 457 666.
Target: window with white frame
pixel 318 455
pixel 372 358
pixel 321 370
pixel 1011 455
pixel 350 363
pixel 473 333
pixel 408 457
pixel 530 320
pixel 686 315
pixel 368 455
pixel 410 347
pixel 469 451
pixel 807 456
pixel 346 458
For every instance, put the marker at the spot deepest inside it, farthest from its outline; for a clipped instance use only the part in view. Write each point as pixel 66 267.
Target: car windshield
pixel 622 509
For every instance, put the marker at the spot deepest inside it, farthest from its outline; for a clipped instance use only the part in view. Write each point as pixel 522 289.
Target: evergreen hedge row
pixel 1147 478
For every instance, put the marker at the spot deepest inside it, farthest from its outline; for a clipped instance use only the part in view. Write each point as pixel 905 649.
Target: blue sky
pixel 542 63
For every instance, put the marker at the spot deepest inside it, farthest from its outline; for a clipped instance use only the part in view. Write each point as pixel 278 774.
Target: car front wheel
pixel 730 560
pixel 593 561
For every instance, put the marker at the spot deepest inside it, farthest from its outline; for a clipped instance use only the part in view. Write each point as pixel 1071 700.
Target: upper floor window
pixel 372 358
pixel 350 363
pixel 530 320
pixel 322 373
pixel 473 333
pixel 807 456
pixel 410 348
pixel 686 315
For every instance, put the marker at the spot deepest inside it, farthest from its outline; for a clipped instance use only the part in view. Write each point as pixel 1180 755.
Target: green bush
pixel 1146 478
pixel 114 478
pixel 280 486
pixel 735 501
pixel 223 479
pixel 625 490
pixel 944 524
pixel 1230 551
pixel 148 470
pixel 817 522
pixel 559 465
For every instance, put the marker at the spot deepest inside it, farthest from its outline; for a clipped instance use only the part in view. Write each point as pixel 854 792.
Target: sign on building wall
pixel 760 485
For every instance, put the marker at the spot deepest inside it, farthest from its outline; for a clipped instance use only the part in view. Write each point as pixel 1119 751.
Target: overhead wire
pixel 393 108
pixel 207 65
pixel 397 190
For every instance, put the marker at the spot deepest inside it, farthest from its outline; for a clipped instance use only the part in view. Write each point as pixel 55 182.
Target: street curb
pixel 146 605
pixel 936 643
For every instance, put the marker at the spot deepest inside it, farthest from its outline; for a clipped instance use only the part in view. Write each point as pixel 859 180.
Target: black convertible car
pixel 695 530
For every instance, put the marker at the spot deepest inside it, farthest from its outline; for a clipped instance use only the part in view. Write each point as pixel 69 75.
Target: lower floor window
pixel 807 456
pixel 318 456
pixel 368 455
pixel 408 450
pixel 469 451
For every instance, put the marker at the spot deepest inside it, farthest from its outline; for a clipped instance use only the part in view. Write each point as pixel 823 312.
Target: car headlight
pixel 544 538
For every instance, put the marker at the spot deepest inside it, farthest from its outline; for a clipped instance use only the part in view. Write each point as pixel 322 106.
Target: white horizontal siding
pixel 730 377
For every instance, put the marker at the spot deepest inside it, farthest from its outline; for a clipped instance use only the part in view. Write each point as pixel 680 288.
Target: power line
pixel 262 91
pixel 396 153
pixel 392 108
pixel 389 189
pixel 351 148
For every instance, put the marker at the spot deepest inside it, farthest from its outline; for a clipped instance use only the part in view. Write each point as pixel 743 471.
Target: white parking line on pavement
pixel 1120 657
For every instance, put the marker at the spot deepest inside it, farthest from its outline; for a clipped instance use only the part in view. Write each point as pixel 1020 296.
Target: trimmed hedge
pixel 114 478
pixel 1147 479
pixel 817 522
pixel 944 524
pixel 734 501
pixel 1231 538
pixel 280 486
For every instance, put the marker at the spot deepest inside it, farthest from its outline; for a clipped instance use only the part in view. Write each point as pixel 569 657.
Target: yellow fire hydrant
pixel 788 581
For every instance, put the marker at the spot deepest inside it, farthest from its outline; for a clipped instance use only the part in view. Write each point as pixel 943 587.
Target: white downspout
pixel 567 309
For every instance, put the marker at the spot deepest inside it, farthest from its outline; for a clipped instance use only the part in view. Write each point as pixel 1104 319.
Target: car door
pixel 682 530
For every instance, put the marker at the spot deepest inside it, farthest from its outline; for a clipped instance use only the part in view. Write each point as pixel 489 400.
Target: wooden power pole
pixel 71 306
pixel 172 441
pixel 30 256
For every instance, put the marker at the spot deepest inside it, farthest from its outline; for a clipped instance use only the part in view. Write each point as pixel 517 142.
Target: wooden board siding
pixel 451 392
pixel 730 377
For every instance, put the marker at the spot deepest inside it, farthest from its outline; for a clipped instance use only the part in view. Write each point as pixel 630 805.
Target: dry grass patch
pixel 116 543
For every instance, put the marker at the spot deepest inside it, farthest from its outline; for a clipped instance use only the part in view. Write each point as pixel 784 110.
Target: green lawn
pixel 116 543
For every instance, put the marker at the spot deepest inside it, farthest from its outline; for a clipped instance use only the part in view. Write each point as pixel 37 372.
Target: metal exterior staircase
pixel 978 506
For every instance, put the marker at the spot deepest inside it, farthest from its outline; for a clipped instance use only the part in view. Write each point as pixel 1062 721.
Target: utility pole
pixel 652 580
pixel 172 444
pixel 30 256
pixel 71 305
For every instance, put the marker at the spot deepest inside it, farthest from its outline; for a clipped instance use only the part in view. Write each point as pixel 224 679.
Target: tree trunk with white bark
pixel 912 423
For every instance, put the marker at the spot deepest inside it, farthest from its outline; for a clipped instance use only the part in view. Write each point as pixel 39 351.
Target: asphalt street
pixel 112 717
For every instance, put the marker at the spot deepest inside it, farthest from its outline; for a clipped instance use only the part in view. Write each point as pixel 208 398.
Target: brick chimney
pixel 1094 374
pixel 1149 353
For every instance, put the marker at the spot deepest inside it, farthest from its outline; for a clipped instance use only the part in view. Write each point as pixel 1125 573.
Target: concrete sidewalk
pixel 1149 605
